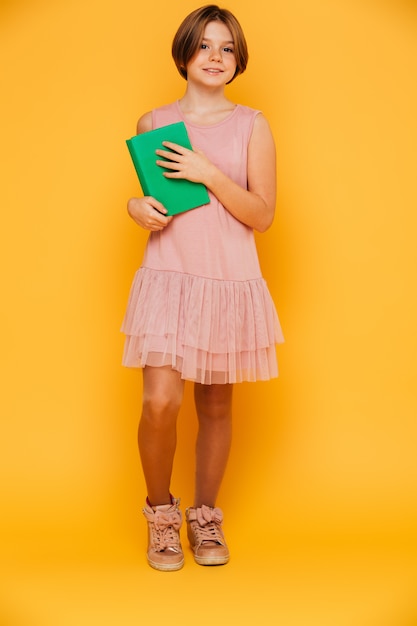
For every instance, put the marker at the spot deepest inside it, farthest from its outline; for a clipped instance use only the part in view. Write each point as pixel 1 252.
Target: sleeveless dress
pixel 199 302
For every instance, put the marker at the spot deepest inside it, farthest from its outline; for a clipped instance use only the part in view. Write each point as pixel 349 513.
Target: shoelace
pixel 209 532
pixel 164 529
pixel 206 523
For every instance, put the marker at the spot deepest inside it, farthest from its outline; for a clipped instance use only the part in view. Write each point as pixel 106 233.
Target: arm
pixel 254 206
pixel 147 212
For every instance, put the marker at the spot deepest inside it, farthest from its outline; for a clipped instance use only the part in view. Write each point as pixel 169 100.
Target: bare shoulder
pixel 261 132
pixel 144 123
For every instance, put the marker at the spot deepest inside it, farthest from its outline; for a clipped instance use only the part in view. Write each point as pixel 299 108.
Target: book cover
pixel 177 195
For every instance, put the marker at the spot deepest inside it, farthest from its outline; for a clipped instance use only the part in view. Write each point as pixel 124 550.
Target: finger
pixel 169 165
pixel 156 205
pixel 175 174
pixel 156 220
pixel 169 157
pixel 151 225
pixel 175 147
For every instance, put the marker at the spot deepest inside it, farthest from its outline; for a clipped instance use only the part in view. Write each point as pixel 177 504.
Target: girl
pixel 199 308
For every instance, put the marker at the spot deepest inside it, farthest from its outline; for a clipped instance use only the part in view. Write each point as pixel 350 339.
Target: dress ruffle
pixel 211 331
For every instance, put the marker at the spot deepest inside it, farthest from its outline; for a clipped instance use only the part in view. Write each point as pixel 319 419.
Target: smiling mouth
pixel 213 71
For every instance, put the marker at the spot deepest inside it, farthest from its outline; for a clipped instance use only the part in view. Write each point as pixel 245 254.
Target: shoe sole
pixel 166 567
pixel 211 560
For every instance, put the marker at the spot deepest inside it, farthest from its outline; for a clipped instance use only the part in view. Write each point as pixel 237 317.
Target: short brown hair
pixel 190 34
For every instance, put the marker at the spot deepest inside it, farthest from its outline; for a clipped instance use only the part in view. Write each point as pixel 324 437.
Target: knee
pixel 214 403
pixel 162 393
pixel 160 409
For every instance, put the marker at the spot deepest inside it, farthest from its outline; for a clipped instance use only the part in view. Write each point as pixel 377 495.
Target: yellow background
pixel 320 495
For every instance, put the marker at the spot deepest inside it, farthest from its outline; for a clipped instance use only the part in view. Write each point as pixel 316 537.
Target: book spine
pixel 138 168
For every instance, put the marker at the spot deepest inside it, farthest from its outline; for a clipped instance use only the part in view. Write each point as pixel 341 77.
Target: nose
pixel 215 55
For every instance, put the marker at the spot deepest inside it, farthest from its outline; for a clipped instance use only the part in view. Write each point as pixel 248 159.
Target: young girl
pixel 199 308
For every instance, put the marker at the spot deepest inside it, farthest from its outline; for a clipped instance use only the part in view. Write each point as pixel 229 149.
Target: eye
pixel 204 46
pixel 228 50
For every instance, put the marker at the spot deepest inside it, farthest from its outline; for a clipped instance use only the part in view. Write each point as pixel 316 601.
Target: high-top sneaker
pixel 205 535
pixel 164 547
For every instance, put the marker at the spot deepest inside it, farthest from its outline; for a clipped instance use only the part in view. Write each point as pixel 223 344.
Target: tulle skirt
pixel 211 331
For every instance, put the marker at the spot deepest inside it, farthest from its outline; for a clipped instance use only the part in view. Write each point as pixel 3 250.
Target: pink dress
pixel 198 302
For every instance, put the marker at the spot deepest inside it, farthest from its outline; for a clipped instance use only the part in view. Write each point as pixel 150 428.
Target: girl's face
pixel 214 62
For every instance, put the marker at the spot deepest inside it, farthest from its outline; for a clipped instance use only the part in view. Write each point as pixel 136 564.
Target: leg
pixel 205 534
pixel 214 411
pixel 157 436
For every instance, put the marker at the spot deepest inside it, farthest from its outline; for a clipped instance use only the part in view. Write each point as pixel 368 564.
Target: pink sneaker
pixel 206 536
pixel 164 547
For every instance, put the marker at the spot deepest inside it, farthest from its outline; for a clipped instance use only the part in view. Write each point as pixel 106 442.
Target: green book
pixel 176 194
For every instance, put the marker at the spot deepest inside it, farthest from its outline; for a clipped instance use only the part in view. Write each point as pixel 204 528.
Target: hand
pixel 192 165
pixel 148 213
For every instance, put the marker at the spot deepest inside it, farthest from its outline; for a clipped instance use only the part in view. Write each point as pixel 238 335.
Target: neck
pixel 204 100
